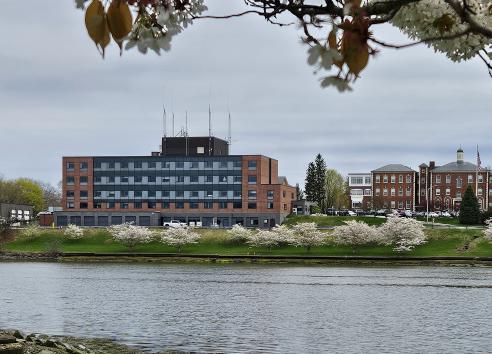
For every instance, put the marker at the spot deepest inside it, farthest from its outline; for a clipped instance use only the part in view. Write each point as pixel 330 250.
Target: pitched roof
pixel 394 168
pixel 456 167
pixel 282 180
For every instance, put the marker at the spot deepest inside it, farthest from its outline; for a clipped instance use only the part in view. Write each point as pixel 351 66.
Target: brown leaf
pixel 119 20
pixel 106 39
pixel 95 21
pixel 358 58
pixel 332 40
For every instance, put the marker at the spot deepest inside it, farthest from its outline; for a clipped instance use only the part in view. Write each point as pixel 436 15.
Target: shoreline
pixel 91 257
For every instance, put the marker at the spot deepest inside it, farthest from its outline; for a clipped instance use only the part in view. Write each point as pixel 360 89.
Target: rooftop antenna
pixel 229 137
pixel 173 126
pixel 186 131
pixel 164 131
pixel 209 130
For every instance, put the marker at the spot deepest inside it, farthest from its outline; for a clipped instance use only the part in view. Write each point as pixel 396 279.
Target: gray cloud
pixel 58 97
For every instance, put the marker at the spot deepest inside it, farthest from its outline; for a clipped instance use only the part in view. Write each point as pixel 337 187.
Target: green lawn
pixel 325 221
pixel 441 242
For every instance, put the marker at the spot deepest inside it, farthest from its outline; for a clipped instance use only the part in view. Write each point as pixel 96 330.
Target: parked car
pixel 351 213
pixel 174 224
pixel 446 214
pixel 343 212
pixel 433 214
pixel 331 211
pixel 408 214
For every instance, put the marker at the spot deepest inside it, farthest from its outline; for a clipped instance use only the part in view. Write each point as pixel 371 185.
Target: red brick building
pixel 394 187
pixel 444 186
pixel 191 180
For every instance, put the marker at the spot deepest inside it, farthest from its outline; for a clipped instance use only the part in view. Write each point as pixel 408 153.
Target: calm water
pixel 272 309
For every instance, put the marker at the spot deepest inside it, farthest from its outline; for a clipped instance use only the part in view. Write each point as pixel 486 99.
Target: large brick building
pixel 394 187
pixel 192 179
pixel 444 186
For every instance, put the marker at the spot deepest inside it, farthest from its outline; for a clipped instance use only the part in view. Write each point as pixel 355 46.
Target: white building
pixel 360 187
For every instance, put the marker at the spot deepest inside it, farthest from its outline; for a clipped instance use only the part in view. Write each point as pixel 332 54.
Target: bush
pixel 239 234
pixel 402 233
pixel 130 235
pixel 306 234
pixel 179 237
pixel 73 232
pixel 355 233
pixel 30 232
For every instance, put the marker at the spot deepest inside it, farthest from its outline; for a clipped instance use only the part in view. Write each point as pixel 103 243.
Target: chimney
pixel 432 165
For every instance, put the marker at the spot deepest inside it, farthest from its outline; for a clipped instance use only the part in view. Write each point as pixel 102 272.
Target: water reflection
pixel 273 309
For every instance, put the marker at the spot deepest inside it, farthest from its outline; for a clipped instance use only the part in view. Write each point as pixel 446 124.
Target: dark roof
pixel 423 165
pixel 394 168
pixel 282 180
pixel 456 167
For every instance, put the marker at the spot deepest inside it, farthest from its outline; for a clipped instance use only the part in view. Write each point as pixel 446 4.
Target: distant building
pixel 192 179
pixel 302 207
pixel 444 186
pixel 360 190
pixel 18 212
pixel 394 187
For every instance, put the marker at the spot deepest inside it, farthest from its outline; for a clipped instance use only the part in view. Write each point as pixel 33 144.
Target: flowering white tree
pixel 282 233
pixel 488 230
pixel 30 232
pixel 306 234
pixel 340 34
pixel 130 235
pixel 355 233
pixel 179 237
pixel 403 233
pixel 262 238
pixel 239 234
pixel 73 232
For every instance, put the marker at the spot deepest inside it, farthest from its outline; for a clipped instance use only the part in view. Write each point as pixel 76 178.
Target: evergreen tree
pixel 299 192
pixel 309 186
pixel 470 209
pixel 320 181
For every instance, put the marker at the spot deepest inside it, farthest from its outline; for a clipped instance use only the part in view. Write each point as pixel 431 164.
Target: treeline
pixel 325 186
pixel 29 192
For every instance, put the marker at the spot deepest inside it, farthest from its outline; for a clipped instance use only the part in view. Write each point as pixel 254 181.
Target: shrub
pixel 402 233
pixel 307 235
pixel 30 232
pixel 73 232
pixel 130 235
pixel 179 237
pixel 355 233
pixel 239 234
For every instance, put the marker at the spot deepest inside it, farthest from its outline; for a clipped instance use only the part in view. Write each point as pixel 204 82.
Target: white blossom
pixel 340 84
pixel 31 231
pixel 355 233
pixel 488 230
pixel 322 56
pixel 403 233
pixel 282 234
pixel 130 235
pixel 418 21
pixel 73 232
pixel 307 235
pixel 179 237
pixel 239 233
pixel 262 238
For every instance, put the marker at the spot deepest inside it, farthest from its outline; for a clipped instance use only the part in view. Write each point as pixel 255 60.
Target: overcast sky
pixel 58 97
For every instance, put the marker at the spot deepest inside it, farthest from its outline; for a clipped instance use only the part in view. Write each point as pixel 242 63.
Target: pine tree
pixel 320 181
pixel 309 186
pixel 470 209
pixel 299 192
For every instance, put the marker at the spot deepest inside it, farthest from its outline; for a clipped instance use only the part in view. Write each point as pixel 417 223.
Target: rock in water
pixel 7 338
pixel 11 348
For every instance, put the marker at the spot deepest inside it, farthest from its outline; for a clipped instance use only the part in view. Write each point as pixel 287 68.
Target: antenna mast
pixel 186 131
pixel 164 130
pixel 229 137
pixel 209 131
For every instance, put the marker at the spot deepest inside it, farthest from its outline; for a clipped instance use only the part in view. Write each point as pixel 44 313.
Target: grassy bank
pixel 327 221
pixel 441 242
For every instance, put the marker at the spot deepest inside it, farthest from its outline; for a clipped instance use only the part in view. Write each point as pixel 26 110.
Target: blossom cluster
pixel 179 237
pixel 73 232
pixel 435 18
pixel 130 235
